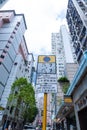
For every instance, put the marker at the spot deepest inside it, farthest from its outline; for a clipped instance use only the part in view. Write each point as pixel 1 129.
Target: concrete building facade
pixel 78 92
pixel 75 112
pixel 70 70
pixel 66 62
pixel 61 44
pixel 77 23
pixel 15 60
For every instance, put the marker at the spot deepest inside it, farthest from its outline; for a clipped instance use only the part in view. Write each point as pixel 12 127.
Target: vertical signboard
pixel 46 74
pixel 46 65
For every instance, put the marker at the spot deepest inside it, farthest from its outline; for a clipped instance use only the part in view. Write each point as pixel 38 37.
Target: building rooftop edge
pixel 2 11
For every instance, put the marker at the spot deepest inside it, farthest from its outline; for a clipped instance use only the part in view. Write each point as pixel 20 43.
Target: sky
pixel 43 17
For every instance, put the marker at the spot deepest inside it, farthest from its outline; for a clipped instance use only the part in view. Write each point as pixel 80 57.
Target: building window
pixel 15 63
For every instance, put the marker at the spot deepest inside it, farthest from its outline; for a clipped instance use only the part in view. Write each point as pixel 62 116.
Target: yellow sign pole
pixel 45 112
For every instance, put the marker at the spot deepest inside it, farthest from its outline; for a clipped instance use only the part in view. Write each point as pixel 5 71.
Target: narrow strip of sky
pixel 42 18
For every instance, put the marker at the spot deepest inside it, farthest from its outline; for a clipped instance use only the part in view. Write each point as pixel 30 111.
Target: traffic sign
pixel 46 74
pixel 46 88
pixel 47 78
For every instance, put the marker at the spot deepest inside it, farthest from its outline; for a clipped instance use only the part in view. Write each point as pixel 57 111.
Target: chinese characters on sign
pixel 46 74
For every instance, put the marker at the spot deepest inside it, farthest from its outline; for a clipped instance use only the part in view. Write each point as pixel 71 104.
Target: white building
pixel 62 48
pixel 14 55
pixel 65 62
pixel 77 23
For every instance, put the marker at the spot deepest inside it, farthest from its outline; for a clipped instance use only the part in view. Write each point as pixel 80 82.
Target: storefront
pixel 66 117
pixel 78 91
pixel 74 117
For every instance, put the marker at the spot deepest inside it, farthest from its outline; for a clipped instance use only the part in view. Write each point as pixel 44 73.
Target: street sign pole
pixel 46 80
pixel 45 112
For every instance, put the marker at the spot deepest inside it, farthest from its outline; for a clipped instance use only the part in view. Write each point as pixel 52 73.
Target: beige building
pixel 70 70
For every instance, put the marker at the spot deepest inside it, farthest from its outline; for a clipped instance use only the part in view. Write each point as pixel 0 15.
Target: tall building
pixel 77 22
pixel 65 63
pixel 61 44
pixel 15 60
pixel 57 49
